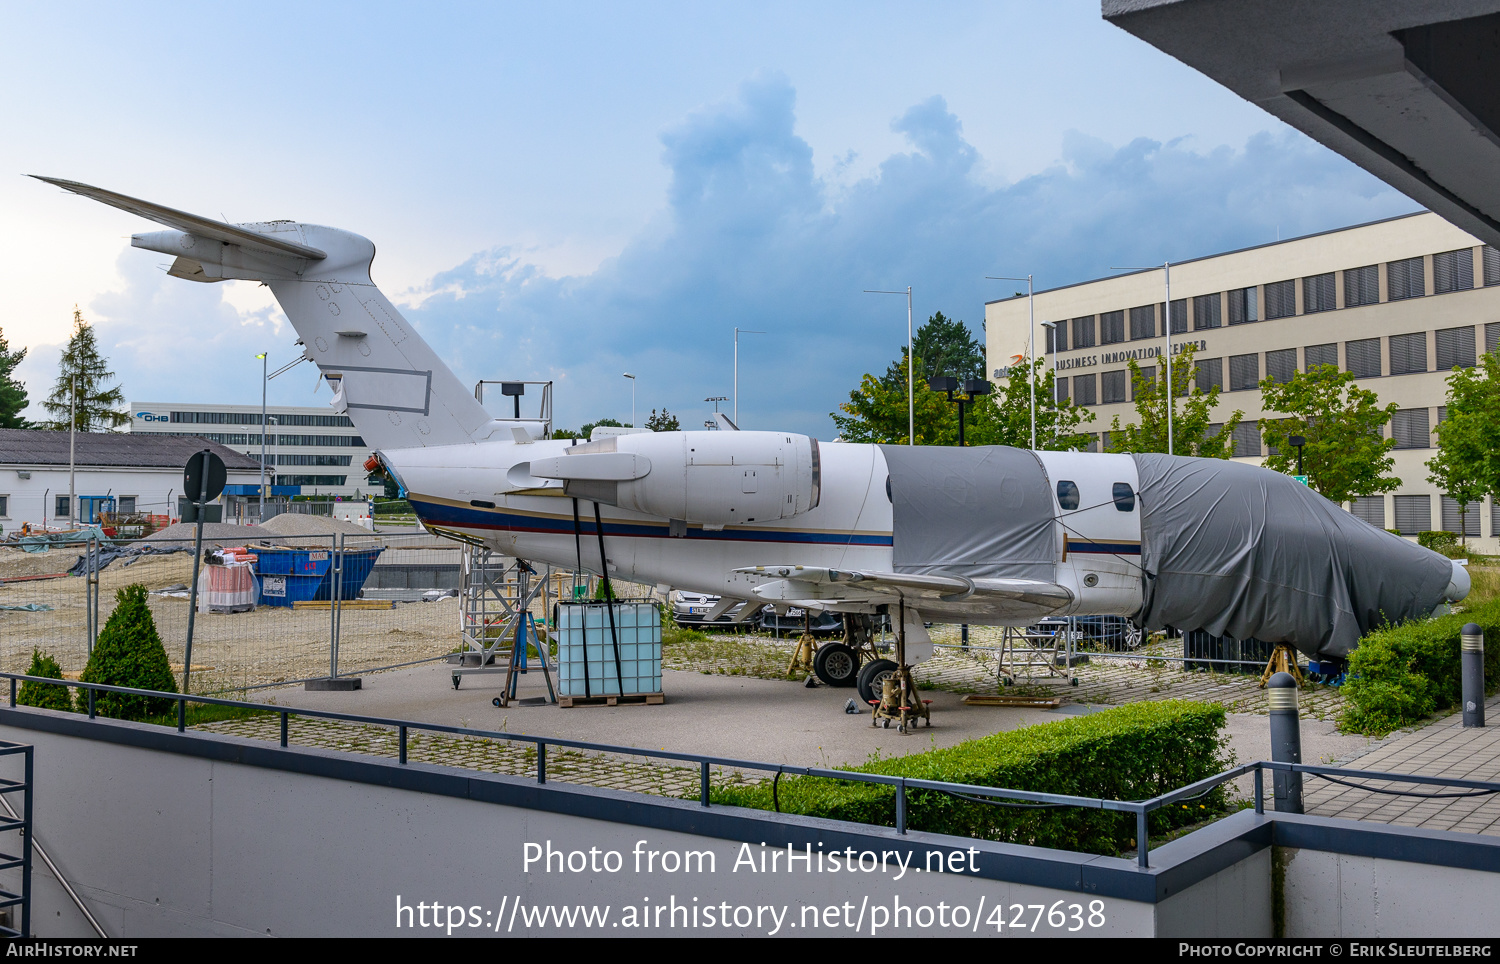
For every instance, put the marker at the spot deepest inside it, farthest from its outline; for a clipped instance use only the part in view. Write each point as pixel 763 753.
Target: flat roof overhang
pixel 1407 90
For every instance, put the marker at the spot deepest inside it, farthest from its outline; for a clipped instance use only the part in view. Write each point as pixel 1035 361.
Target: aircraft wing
pixel 817 583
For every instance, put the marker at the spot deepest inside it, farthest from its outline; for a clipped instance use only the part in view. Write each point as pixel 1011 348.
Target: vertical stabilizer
pixel 390 383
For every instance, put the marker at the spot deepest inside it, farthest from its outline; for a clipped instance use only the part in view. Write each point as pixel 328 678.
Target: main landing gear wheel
pixel 836 664
pixel 871 675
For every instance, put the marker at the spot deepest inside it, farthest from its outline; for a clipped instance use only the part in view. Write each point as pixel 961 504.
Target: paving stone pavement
pixel 1443 748
pixel 617 772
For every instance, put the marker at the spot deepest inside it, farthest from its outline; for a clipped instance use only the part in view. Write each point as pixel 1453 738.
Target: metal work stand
pixel 1021 650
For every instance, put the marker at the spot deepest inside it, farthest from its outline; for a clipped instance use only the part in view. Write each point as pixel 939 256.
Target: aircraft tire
pixel 836 664
pixel 870 677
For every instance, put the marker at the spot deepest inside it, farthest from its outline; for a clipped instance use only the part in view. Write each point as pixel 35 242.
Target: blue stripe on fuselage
pixel 1108 548
pixel 466 517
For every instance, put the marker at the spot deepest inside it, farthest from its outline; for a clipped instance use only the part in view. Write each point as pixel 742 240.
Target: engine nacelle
pixel 711 478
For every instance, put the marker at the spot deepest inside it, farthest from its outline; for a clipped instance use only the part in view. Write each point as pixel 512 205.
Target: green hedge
pixel 1128 753
pixel 1402 674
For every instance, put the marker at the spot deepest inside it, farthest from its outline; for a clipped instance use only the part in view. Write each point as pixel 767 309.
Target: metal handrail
pixel 1141 808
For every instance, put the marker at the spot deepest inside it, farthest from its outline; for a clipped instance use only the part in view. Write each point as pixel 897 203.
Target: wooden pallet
pixel 629 699
pixel 1039 702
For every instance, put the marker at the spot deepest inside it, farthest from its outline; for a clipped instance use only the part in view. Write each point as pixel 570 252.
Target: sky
pixel 570 191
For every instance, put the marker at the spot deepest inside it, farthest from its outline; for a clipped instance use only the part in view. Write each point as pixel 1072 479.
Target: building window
pixel 1363 357
pixel 1318 293
pixel 1179 315
pixel 1370 508
pixel 1242 306
pixel 1104 441
pixel 1453 270
pixel 126 504
pixel 1093 445
pixel 1315 355
pixel 1491 336
pixel 1143 322
pixel 1057 336
pixel 1084 390
pixel 1206 312
pixel 1083 332
pixel 1413 514
pixel 1247 440
pixel 1281 300
pixel 1409 353
pixel 1409 427
pixel 4 507
pixel 1113 386
pixel 1111 327
pixel 1405 279
pixel 1362 287
pixel 1148 378
pixel 1210 374
pixel 1491 266
pixel 1244 372
pixel 1281 365
pixel 60 507
pixel 1060 386
pixel 1455 348
pixel 1470 517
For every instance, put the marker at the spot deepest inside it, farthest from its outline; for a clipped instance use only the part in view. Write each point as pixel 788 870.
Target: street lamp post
pixel 737 371
pixel 1166 310
pixel 264 381
pixel 972 387
pixel 632 398
pixel 1030 344
pixel 911 396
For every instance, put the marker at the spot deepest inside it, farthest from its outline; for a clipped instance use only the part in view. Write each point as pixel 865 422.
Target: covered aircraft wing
pixel 1262 556
pixel 809 584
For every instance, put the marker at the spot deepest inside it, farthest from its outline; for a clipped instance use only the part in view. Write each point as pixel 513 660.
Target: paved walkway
pixel 1442 748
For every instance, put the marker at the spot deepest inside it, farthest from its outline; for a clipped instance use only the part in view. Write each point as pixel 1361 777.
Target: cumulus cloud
pixel 750 236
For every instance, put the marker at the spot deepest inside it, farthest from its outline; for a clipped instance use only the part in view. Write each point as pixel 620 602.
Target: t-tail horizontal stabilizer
pixel 386 379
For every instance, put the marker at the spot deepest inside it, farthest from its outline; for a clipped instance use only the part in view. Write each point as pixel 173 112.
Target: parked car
pixel 1116 632
pixel 692 608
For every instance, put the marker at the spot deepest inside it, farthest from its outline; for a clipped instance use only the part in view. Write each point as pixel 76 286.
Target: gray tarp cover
pixel 1272 559
pixel 979 512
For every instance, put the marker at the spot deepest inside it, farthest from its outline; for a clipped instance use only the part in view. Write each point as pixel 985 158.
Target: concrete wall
pixel 162 843
pixel 1344 895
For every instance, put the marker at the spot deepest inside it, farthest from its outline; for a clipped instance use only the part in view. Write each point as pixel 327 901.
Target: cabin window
pixel 1124 497
pixel 1067 495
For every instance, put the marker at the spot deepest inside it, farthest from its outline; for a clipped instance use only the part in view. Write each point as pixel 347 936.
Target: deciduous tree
pixel 1346 454
pixel 1467 465
pixel 1192 410
pixel 1004 418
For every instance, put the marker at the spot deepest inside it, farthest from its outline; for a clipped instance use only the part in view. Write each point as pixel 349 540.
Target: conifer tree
pixel 129 653
pixel 13 399
pixel 85 372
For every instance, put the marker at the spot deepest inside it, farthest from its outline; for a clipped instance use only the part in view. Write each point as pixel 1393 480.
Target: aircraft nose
pixel 1458 586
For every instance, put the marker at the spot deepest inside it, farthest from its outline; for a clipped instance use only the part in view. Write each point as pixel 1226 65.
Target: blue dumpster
pixel 289 575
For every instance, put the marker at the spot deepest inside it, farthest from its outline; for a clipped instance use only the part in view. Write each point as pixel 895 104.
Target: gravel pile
pixel 296 524
pixel 214 533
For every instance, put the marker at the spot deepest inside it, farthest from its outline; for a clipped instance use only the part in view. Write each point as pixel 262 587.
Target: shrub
pixel 1402 674
pixel 129 653
pixel 42 694
pixel 1127 753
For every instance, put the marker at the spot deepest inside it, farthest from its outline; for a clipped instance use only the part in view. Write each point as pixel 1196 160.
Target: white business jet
pixel 983 535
